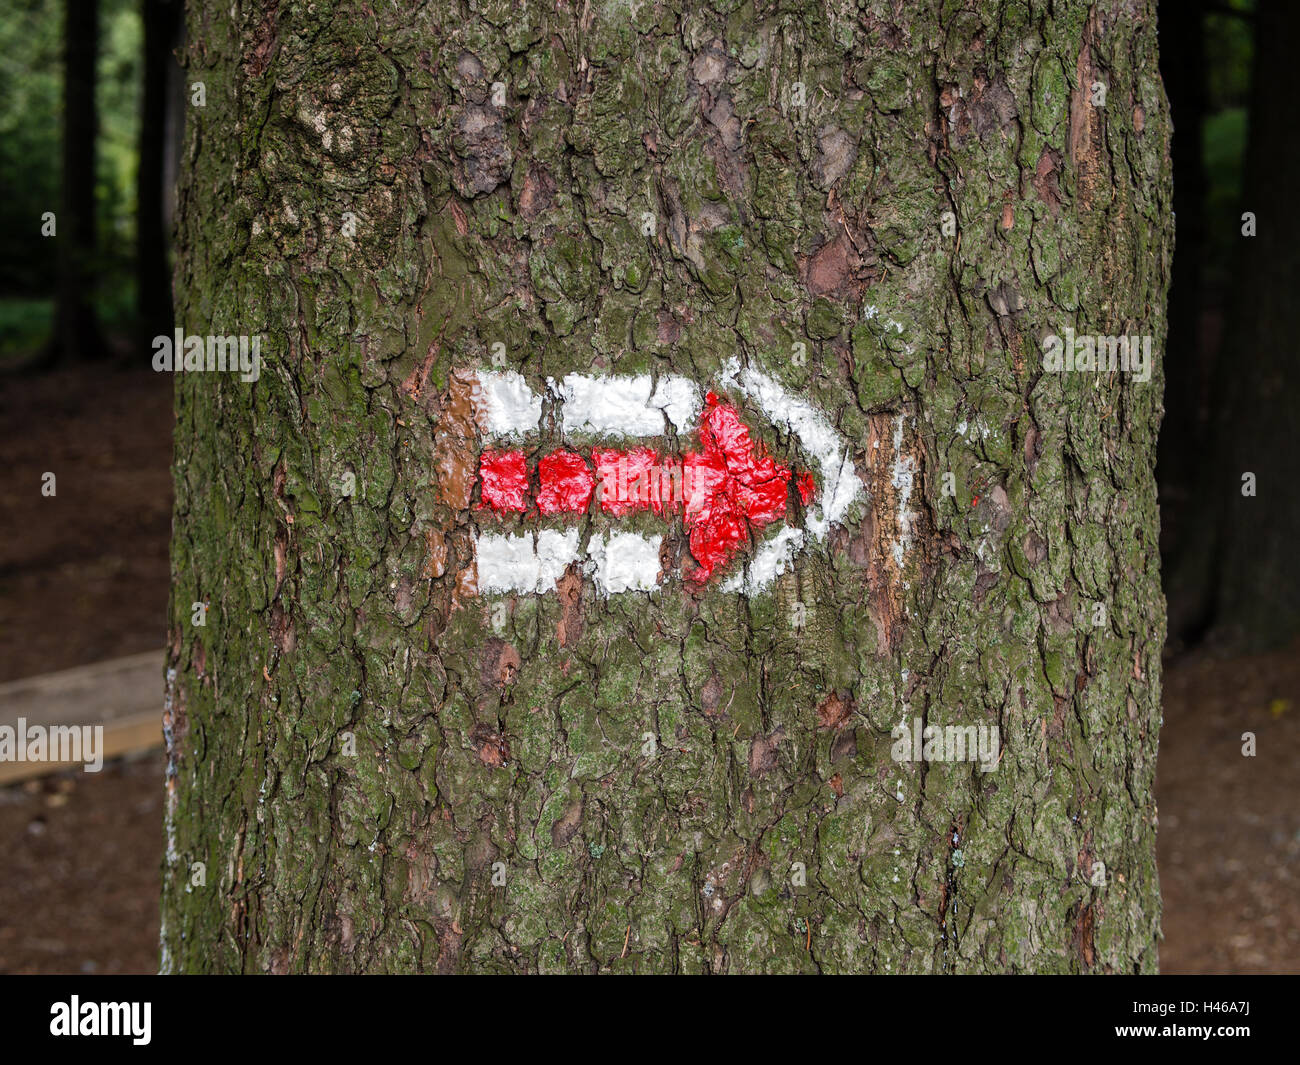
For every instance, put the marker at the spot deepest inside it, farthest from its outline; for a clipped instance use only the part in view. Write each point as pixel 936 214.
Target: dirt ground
pixel 1229 838
pixel 83 577
pixel 83 573
pixel 80 878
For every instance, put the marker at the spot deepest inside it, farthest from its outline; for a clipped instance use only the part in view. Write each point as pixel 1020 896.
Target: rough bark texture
pixel 511 731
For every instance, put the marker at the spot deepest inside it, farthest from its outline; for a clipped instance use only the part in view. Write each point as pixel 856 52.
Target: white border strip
pixel 517 564
pixel 768 563
pixel 624 562
pixel 626 406
pixel 507 405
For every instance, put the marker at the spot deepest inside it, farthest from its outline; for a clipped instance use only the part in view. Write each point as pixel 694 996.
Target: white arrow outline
pixel 636 406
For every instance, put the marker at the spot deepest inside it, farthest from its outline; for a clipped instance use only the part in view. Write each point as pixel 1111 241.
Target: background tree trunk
pixel 1255 568
pixel 161 20
pixel 76 327
pixel 1184 431
pixel 498 162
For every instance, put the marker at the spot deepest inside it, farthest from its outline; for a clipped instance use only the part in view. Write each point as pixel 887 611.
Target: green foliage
pixel 24 325
pixel 31 86
pixel 118 88
pixel 1229 53
pixel 1224 149
pixel 30 82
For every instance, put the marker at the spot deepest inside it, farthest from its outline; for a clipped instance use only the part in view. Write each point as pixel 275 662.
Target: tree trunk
pixel 386 754
pixel 1183 434
pixel 161 20
pixel 1255 574
pixel 76 328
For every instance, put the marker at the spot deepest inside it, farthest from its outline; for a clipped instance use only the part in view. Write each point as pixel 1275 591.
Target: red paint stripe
pixel 565 483
pixel 504 475
pixel 636 479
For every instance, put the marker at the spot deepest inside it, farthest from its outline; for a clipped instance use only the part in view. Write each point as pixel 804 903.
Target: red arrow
pixel 728 487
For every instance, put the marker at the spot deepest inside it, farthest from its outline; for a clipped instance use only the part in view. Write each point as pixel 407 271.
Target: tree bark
pixel 375 766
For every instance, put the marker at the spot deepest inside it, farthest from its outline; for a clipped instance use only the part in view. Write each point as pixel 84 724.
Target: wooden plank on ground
pixel 124 695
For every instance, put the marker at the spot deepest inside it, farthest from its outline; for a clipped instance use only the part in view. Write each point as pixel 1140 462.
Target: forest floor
pixel 83 578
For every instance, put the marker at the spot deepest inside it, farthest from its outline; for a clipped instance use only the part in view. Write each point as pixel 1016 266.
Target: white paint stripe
pixel 679 398
pixel 507 405
pixel 626 406
pixel 840 484
pixel 624 562
pixel 768 563
pixel 517 564
pixel 555 552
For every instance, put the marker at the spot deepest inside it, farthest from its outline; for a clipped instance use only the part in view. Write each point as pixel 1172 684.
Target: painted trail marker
pixel 727 489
